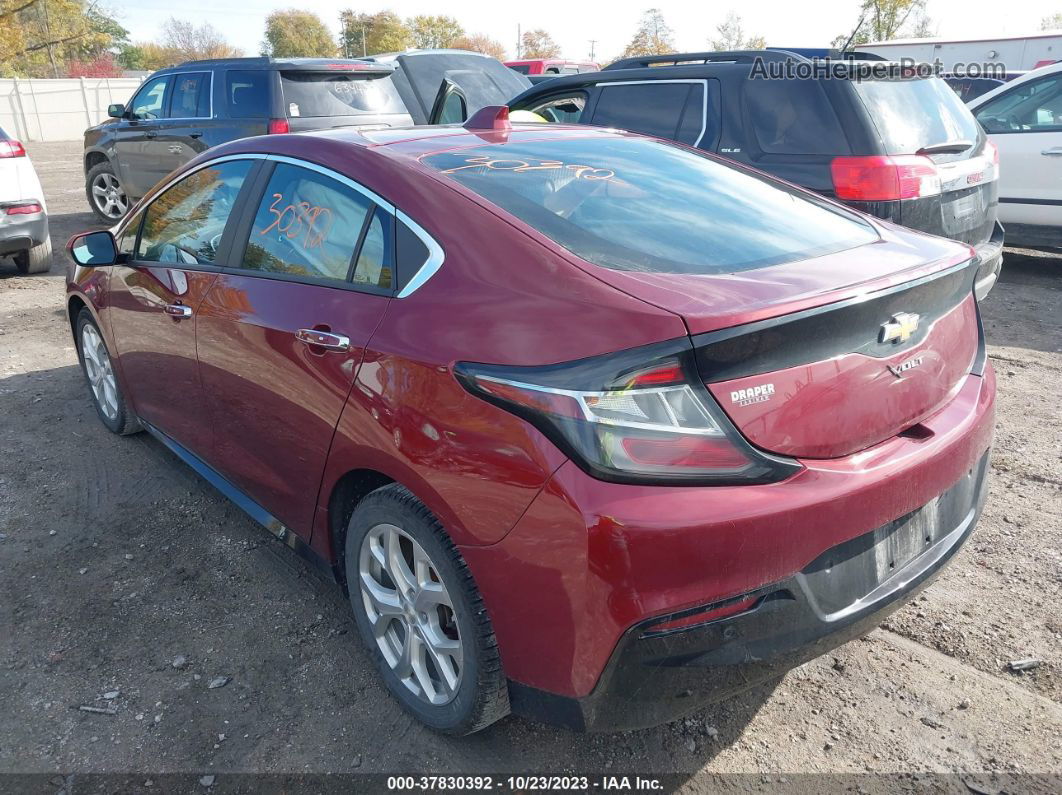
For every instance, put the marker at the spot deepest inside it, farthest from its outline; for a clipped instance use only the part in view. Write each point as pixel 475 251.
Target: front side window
pixel 644 205
pixel 309 225
pixel 191 96
pixel 185 223
pixel 667 110
pixel 150 101
pixel 562 110
pixel 1033 107
pixel 247 93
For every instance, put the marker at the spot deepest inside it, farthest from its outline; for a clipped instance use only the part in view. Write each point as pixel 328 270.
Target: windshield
pixel 912 114
pixel 646 205
pixel 316 94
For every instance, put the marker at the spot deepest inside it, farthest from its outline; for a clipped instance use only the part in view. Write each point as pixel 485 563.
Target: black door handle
pixel 195 135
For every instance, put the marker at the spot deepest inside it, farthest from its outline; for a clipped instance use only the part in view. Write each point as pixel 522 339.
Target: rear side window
pixel 522 68
pixel 911 114
pixel 643 205
pixel 184 223
pixel 191 96
pixel 665 109
pixel 309 225
pixel 247 94
pixel 315 94
pixel 794 117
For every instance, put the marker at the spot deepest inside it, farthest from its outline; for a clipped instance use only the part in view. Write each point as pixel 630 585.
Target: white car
pixel 1023 118
pixel 23 212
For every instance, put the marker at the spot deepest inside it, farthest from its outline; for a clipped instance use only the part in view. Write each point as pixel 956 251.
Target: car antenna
pixel 859 24
pixel 492 117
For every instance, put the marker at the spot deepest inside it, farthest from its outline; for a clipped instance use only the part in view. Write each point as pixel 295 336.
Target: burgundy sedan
pixel 592 427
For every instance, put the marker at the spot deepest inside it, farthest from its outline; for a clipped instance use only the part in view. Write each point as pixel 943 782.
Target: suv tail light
pixel 26 208
pixel 884 177
pixel 278 126
pixel 12 148
pixel 992 151
pixel 639 416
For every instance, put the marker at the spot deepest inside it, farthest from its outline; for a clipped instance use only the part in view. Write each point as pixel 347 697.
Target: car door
pixel 1025 124
pixel 180 242
pixel 135 133
pixel 281 334
pixel 180 136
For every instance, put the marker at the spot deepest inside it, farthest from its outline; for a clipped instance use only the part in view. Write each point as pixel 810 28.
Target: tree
pixel 884 20
pixel 184 41
pixel 478 42
pixel 291 33
pixel 654 36
pixel 1053 22
pixel 434 32
pixel 102 66
pixel 371 34
pixel 147 56
pixel 538 44
pixel 731 36
pixel 38 37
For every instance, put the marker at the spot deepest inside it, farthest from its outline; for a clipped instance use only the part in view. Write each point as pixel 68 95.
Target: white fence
pixel 59 110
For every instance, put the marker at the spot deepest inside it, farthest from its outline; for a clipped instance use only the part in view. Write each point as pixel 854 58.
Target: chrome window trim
pixel 703 82
pixel 431 265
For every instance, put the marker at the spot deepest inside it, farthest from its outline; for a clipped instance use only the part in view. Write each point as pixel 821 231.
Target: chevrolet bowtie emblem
pixel 899 328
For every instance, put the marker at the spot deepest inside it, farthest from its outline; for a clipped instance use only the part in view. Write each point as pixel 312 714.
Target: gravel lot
pixel 117 563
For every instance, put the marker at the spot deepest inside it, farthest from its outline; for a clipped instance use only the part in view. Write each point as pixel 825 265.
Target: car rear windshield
pixel 911 114
pixel 317 94
pixel 643 205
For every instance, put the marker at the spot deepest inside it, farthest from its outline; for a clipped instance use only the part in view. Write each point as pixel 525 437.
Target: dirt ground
pixel 117 562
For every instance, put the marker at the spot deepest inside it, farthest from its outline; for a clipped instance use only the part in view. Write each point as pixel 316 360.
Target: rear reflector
pixel 704 617
pixel 992 151
pixel 23 209
pixel 278 126
pixel 884 177
pixel 12 149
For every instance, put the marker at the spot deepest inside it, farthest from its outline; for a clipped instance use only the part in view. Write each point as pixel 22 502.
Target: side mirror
pixel 116 111
pixel 93 249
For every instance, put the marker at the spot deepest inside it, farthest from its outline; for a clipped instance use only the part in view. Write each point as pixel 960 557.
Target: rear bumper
pixel 990 253
pixel 22 232
pixel 656 675
pixel 573 586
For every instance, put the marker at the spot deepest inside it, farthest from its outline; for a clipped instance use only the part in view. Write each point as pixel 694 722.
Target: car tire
pixel 103 384
pixel 35 260
pixel 446 670
pixel 105 193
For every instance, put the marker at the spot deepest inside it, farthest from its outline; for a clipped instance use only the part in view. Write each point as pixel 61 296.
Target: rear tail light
pixel 992 152
pixel 884 177
pixel 29 208
pixel 12 149
pixel 278 126
pixel 636 416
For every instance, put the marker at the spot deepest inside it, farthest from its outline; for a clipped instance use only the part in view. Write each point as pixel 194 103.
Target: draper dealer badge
pixel 754 394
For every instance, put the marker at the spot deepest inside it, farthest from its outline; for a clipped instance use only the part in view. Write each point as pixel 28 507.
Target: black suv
pixel 181 111
pixel 891 143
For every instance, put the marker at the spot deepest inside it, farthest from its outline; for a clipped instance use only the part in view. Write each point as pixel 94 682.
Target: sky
pixel 573 24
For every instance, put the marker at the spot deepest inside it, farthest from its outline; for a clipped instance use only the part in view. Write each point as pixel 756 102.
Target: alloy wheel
pixel 109 196
pixel 99 371
pixel 411 614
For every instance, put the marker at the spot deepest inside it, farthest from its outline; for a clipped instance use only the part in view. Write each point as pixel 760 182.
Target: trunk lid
pixel 809 369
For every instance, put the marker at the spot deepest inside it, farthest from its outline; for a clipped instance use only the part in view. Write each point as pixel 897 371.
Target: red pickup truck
pixel 552 66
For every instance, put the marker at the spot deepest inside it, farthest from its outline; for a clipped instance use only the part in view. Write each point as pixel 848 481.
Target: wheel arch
pixel 347 492
pixel 93 157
